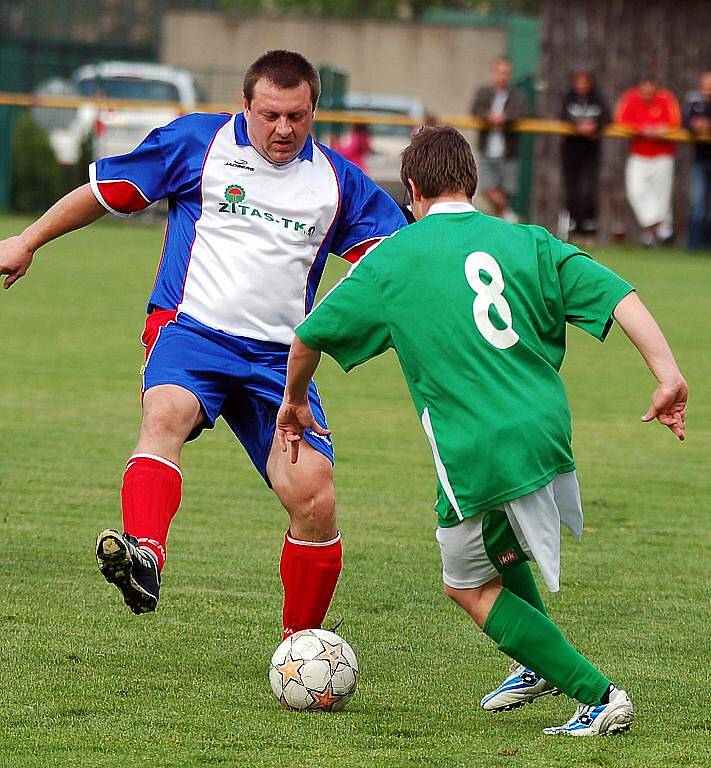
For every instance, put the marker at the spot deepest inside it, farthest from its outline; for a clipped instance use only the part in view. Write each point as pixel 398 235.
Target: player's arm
pixel 73 211
pixel 295 415
pixel 670 397
pixel 350 326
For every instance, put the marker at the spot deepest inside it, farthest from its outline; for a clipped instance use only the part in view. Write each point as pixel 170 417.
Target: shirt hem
pixel 510 495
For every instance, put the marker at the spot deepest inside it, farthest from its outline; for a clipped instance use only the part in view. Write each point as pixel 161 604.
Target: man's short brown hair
pixel 286 69
pixel 440 161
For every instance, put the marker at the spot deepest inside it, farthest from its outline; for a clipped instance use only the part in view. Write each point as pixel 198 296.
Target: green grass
pixel 85 683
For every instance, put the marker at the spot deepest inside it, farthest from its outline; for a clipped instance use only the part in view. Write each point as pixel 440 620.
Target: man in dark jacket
pixel 499 104
pixel 585 108
pixel 697 118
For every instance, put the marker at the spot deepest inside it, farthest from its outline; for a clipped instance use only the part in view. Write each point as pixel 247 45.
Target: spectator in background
pixel 356 146
pixel 650 111
pixel 697 118
pixel 585 108
pixel 499 104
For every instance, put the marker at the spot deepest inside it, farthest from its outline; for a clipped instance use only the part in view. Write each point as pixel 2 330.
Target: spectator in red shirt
pixel 356 147
pixel 650 111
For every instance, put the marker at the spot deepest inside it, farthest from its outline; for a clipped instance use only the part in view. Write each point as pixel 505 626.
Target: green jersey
pixel 476 310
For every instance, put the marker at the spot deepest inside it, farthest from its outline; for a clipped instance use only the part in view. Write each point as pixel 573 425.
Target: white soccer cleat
pixel 614 717
pixel 521 687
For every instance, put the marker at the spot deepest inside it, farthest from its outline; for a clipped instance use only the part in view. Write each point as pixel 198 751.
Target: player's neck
pixel 457 197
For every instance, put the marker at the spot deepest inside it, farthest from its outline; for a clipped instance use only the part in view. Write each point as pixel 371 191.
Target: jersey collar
pixel 451 207
pixel 242 139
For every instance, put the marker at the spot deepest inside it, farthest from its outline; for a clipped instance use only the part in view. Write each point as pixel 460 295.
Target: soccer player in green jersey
pixel 476 310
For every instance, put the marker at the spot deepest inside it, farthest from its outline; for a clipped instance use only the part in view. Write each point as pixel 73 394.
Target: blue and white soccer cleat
pixel 614 717
pixel 521 687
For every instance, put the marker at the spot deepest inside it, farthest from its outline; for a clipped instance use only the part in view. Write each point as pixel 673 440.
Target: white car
pixel 114 131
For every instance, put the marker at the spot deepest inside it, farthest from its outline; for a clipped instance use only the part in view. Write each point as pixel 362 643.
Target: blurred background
pixel 82 79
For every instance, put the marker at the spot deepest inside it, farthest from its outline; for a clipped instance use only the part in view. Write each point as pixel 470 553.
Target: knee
pixel 476 602
pixel 457 595
pixel 167 418
pixel 311 504
pixel 314 505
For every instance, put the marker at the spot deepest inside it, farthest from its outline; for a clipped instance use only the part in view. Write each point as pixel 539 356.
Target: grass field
pixel 85 683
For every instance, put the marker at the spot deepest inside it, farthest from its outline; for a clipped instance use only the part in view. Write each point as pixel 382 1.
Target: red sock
pixel 309 573
pixel 150 497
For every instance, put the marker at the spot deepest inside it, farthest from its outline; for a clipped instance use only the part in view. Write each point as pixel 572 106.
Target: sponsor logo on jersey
pixel 234 193
pixel 241 164
pixel 235 196
pixel 508 557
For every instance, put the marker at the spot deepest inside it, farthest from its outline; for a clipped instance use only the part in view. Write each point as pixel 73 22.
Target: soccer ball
pixel 314 669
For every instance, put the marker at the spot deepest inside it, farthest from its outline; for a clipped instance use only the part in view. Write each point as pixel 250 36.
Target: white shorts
pixel 648 181
pixel 535 520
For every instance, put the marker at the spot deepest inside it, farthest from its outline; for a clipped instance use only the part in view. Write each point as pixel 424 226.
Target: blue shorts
pixel 237 378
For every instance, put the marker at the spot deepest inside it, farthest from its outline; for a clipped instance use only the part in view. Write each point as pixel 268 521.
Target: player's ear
pixel 245 103
pixel 415 193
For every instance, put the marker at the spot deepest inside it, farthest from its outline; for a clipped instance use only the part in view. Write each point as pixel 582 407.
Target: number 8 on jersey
pixel 488 295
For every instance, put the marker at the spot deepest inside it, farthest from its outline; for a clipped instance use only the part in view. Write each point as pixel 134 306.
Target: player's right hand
pixel 293 419
pixel 15 259
pixel 669 407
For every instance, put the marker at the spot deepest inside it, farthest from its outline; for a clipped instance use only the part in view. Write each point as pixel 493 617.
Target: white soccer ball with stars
pixel 314 669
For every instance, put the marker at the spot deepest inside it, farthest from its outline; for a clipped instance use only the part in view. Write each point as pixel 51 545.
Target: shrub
pixel 36 173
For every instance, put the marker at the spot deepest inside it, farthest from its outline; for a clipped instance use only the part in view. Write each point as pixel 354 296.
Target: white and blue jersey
pixel 247 240
pixel 245 248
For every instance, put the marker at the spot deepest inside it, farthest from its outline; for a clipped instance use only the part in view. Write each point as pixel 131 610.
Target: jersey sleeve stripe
pixel 97 192
pixel 356 252
pixel 119 196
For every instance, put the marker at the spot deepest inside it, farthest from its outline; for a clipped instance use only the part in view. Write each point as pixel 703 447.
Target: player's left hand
pixel 293 420
pixel 669 407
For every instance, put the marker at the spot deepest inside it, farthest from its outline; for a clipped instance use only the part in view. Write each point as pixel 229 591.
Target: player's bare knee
pixel 169 418
pixel 316 506
pixel 476 601
pixel 166 425
pixel 312 511
pixel 453 594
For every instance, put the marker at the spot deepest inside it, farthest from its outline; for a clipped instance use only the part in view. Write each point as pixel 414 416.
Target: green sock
pixel 520 581
pixel 532 639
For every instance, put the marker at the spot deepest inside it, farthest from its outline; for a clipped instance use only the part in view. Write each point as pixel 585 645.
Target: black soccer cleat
pixel 133 569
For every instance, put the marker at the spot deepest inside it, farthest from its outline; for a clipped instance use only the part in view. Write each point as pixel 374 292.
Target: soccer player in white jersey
pixel 476 310
pixel 255 207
